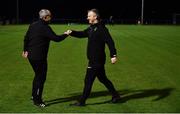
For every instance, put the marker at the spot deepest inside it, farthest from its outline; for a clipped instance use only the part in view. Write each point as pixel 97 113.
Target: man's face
pixel 91 17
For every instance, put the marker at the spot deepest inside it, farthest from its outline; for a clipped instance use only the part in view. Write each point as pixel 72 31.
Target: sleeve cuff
pixel 113 56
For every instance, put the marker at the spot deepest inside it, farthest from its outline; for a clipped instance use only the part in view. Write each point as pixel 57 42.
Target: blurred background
pixel 75 11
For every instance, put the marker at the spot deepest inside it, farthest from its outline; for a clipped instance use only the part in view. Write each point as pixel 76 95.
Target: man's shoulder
pixel 33 24
pixel 102 26
pixel 38 24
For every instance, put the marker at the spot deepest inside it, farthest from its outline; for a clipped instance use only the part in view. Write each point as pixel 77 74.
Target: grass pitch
pixel 147 74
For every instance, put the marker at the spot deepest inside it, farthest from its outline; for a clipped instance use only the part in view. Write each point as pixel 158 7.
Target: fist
pixel 113 60
pixel 68 32
pixel 25 54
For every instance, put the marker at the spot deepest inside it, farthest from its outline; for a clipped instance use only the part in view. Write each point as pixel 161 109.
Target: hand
pixel 25 54
pixel 68 32
pixel 113 60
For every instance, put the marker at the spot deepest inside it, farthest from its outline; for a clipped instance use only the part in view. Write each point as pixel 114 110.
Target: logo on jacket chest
pixel 93 29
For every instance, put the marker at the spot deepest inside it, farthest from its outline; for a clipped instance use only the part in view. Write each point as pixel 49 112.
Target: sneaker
pixel 40 104
pixel 115 99
pixel 77 104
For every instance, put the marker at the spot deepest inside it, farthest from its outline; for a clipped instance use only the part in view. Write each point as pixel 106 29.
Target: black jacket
pixel 97 35
pixel 37 39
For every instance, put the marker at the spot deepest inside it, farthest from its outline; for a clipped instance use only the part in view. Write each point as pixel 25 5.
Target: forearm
pixel 58 38
pixel 25 46
pixel 61 37
pixel 112 49
pixel 78 34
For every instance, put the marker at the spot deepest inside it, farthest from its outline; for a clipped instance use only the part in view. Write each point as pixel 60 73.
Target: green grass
pixel 146 74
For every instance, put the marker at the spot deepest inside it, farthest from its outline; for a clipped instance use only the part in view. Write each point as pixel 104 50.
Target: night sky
pixel 77 9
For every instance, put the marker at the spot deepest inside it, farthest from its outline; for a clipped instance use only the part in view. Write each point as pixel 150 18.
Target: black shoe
pixel 77 104
pixel 115 99
pixel 40 104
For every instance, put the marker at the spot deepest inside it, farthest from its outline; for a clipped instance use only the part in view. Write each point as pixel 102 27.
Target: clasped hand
pixel 68 32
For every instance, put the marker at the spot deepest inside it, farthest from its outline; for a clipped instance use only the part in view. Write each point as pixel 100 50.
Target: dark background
pixel 123 11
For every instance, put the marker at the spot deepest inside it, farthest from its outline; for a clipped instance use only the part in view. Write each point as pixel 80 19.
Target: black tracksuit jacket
pixel 37 40
pixel 98 35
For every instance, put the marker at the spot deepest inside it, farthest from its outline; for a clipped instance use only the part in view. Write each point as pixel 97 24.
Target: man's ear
pixel 96 17
pixel 45 17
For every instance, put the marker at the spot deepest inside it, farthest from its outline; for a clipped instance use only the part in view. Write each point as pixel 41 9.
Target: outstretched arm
pixel 78 34
pixel 50 34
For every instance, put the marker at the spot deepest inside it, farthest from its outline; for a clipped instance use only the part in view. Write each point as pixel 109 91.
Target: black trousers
pixel 89 79
pixel 40 70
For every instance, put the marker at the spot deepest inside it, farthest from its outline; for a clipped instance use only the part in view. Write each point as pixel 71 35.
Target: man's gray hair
pixel 43 13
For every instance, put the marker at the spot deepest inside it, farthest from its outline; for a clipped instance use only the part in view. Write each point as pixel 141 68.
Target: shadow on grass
pixel 126 95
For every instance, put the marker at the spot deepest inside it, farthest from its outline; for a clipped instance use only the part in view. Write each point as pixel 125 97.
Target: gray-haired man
pixel 36 45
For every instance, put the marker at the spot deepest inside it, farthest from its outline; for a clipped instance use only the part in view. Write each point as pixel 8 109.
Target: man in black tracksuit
pixel 97 35
pixel 36 45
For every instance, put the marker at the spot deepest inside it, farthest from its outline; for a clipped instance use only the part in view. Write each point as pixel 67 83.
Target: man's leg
pixel 40 69
pixel 88 82
pixel 103 79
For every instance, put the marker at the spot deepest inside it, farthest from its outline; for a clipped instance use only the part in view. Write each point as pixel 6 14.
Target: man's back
pixel 38 42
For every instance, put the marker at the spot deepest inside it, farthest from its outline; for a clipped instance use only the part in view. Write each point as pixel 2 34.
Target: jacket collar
pixel 42 21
